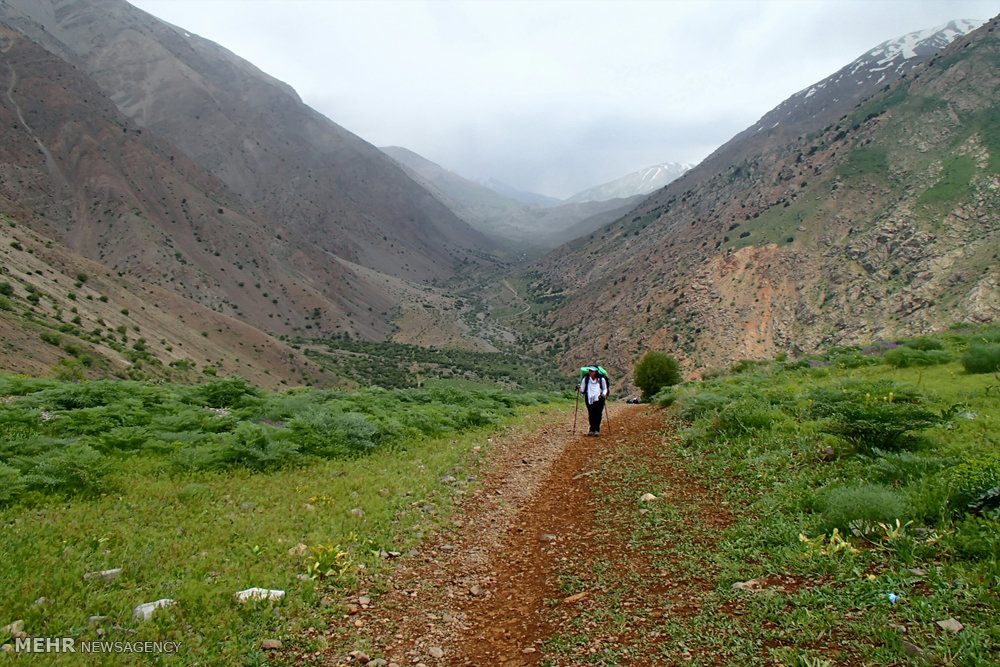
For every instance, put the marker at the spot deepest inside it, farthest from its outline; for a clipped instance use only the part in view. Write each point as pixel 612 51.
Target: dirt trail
pixel 495 589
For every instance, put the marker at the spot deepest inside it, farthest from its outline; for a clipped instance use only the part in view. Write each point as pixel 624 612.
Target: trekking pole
pixel 576 411
pixel 607 415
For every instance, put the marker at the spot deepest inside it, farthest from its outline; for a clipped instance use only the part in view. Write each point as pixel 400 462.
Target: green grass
pixel 793 479
pixel 200 532
pixel 753 487
pixel 778 224
pixel 954 184
pixel 866 162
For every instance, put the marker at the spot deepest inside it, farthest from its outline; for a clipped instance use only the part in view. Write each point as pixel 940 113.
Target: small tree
pixel 655 371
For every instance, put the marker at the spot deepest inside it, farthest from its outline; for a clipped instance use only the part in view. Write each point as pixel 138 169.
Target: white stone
pixel 103 575
pixel 259 594
pixel 950 624
pixel 647 498
pixel 145 611
pixel 15 628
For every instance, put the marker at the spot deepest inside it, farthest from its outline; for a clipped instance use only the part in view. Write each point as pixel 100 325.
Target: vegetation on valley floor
pixel 198 492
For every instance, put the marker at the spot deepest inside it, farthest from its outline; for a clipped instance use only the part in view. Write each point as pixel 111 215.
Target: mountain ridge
pixel 529 228
pixel 798 241
pixel 641 182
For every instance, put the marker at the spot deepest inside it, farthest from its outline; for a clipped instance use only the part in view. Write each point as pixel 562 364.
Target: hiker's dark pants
pixel 594 412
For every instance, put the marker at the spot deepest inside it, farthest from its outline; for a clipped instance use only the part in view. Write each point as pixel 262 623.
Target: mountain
pixel 523 196
pixel 62 312
pixel 485 209
pixel 878 224
pixel 172 160
pixel 526 227
pixel 641 182
pixel 879 67
pixel 255 135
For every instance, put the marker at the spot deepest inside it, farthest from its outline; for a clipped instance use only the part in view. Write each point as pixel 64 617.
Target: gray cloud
pixel 553 96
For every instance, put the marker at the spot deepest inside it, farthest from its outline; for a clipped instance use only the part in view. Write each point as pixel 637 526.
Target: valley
pixel 286 397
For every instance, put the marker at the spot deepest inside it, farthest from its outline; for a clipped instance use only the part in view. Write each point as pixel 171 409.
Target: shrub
pixel 250 446
pixel 84 395
pixel 333 434
pixel 974 539
pixel 51 338
pixel 923 343
pixel 71 369
pixel 256 447
pixel 905 357
pixel 125 438
pixel 227 393
pixel 879 424
pixel 744 417
pixel 872 415
pixel 745 365
pixel 701 404
pixel 902 467
pixel 6 289
pixel 970 480
pixel 665 397
pixel 982 359
pixel 861 507
pixel 655 371
pixel 852 359
pixel 193 419
pixel 11 484
pixel 76 468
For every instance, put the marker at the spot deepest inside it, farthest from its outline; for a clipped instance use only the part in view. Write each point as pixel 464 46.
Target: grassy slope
pixel 753 438
pixel 184 527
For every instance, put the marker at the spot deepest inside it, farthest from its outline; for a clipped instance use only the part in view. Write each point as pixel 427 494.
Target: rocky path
pixel 545 563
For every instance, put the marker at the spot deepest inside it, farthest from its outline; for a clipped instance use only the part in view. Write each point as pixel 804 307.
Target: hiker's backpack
pixel 585 373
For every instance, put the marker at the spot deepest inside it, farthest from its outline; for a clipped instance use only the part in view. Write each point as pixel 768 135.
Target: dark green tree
pixel 655 371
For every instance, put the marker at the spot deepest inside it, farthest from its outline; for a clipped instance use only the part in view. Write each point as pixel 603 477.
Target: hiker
pixel 594 388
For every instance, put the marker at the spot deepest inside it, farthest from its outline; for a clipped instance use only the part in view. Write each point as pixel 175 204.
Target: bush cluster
pixel 745 416
pixel 872 415
pixel 982 358
pixel 861 507
pixel 906 357
pixel 970 481
pixel 59 438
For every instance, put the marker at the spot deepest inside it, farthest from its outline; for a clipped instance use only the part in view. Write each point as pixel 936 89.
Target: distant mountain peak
pixel 642 182
pixel 923 42
pixel 875 68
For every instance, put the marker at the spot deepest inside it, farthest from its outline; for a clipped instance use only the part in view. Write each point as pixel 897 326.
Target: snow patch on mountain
pixel 641 182
pixel 885 62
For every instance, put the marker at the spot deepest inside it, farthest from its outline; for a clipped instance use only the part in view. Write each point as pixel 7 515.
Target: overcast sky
pixel 553 97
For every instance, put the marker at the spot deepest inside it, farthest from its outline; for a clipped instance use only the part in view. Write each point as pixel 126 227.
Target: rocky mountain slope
pixel 65 314
pixel 883 222
pixel 509 220
pixel 254 134
pixel 641 182
pixel 269 214
pixel 78 171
